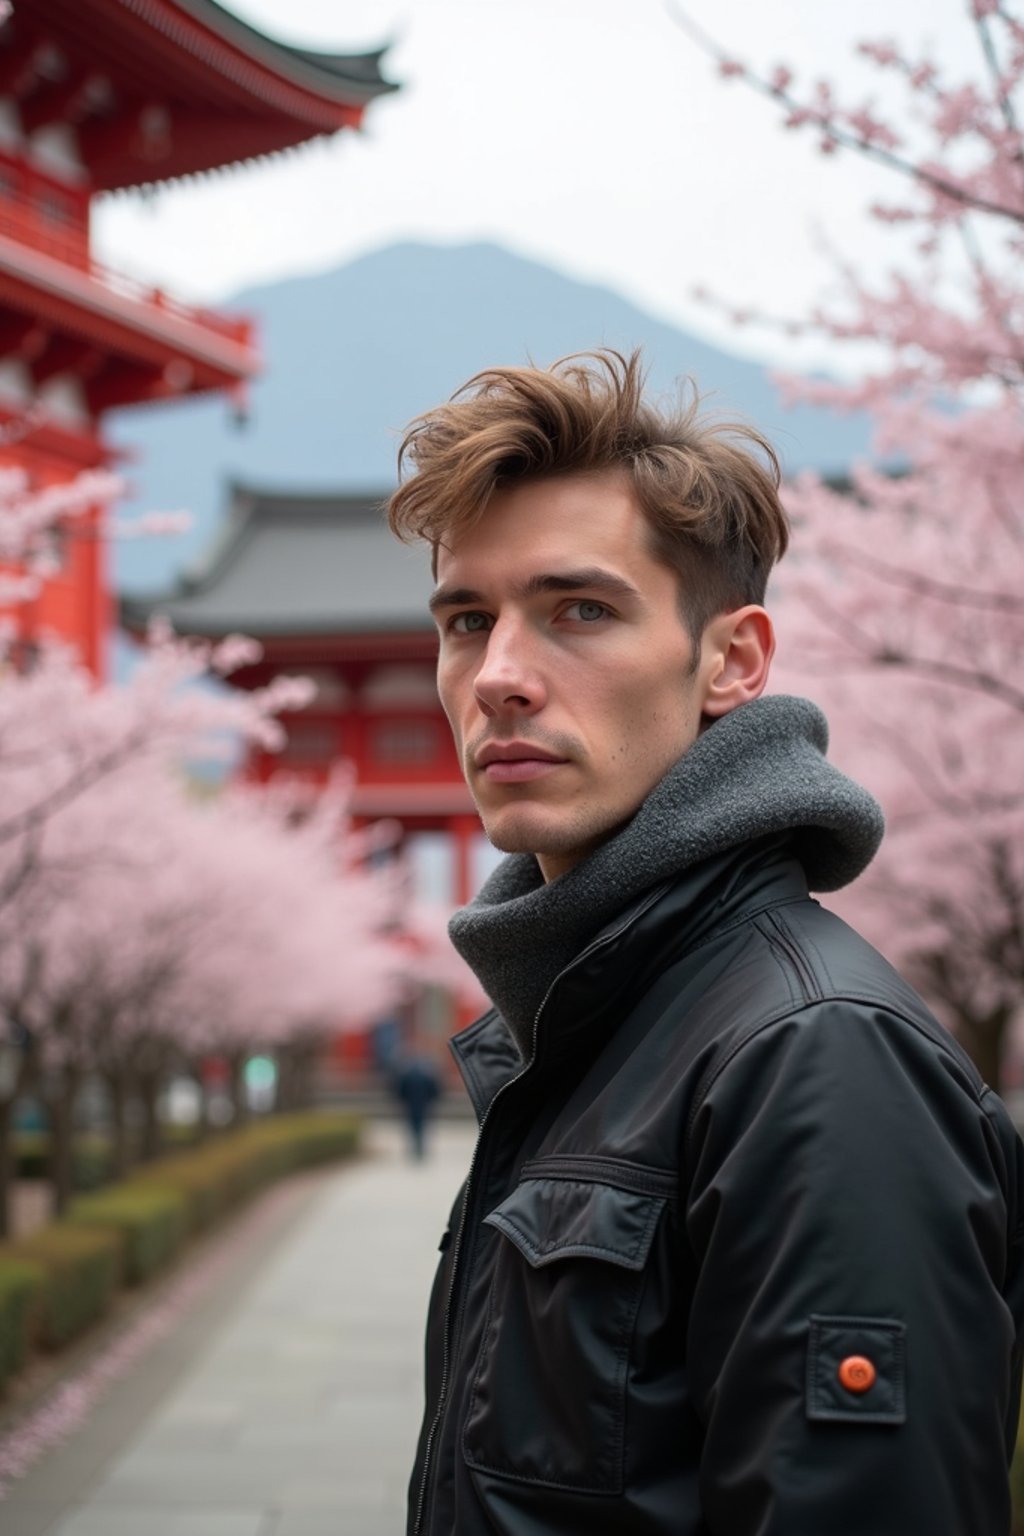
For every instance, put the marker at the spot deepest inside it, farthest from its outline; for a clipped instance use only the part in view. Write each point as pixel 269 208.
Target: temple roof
pixel 296 565
pixel 158 89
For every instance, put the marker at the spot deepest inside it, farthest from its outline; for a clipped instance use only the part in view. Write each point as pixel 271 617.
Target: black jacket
pixel 743 1160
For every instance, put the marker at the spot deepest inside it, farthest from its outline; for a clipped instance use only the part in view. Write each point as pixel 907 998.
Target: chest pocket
pixel 548 1400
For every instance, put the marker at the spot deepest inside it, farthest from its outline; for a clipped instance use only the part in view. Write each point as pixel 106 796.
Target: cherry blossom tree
pixel 902 606
pixel 157 929
pixel 144 928
pixel 141 927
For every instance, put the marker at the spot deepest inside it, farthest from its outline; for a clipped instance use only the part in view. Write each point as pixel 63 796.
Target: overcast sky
pixel 589 134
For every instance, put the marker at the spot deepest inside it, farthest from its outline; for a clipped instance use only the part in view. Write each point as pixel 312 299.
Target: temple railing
pixel 67 242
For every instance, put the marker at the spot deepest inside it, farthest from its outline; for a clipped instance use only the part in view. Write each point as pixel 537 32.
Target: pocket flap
pixel 550 1219
pixel 856 1369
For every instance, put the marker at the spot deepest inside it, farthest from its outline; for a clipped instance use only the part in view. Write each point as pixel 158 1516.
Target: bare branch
pixel 987 291
pixel 36 814
pixel 929 586
pixel 17 877
pixel 922 768
pixel 1004 510
pixel 972 678
pixel 843 138
pixel 988 48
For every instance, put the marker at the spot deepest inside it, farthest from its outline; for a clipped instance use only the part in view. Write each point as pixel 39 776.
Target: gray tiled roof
pixel 299 565
pixel 355 76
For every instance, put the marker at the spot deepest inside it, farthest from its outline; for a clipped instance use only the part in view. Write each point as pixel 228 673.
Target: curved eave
pixel 221 42
pixel 226 92
pixel 355 77
pixel 136 613
pixel 358 71
pixel 233 145
pixel 299 570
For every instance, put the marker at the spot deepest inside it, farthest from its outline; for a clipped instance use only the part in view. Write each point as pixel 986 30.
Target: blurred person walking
pixel 416 1084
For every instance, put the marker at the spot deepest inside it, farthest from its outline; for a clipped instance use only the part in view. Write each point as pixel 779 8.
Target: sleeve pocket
pixel 856 1370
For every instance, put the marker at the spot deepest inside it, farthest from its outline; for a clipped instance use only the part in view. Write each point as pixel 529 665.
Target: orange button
pixel 857 1374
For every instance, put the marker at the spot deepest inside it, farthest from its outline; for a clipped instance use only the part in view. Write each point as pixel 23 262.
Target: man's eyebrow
pixel 590 578
pixel 453 597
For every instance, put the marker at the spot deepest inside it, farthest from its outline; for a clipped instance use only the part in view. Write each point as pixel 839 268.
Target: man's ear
pixel 736 653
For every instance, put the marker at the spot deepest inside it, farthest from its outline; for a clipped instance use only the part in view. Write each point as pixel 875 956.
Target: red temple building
pixel 98 96
pixel 331 595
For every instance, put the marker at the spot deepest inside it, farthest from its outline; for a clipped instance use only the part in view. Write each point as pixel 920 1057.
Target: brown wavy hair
pixel 708 488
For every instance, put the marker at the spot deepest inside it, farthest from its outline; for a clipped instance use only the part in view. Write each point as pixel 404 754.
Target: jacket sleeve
pixel 852 1349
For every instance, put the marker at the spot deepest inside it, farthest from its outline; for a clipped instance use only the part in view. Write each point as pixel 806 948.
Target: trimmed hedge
pixel 304 1140
pixel 150 1224
pixel 20 1288
pixel 200 1181
pixel 212 1181
pixel 31 1154
pixel 57 1282
pixel 81 1269
pixel 91 1158
pixel 220 1176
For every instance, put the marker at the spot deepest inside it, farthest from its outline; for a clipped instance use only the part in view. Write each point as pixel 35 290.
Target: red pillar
pixel 463 829
pixel 96 595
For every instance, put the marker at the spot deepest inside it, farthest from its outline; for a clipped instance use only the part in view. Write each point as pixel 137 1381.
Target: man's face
pixel 565 668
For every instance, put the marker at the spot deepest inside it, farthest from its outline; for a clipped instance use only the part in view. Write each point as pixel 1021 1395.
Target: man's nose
pixel 507 678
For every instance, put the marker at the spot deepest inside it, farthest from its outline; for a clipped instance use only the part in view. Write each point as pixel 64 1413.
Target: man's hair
pixel 708 488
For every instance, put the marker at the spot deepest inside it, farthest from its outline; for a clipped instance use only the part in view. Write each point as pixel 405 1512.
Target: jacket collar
pixel 596 990
pixel 758 772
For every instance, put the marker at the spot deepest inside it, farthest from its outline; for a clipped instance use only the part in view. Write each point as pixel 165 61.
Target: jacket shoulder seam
pixel 867 999
pixel 747 918
pixel 795 997
pixel 804 985
pixel 810 953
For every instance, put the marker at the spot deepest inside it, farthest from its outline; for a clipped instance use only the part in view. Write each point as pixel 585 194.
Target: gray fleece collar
pixel 760 769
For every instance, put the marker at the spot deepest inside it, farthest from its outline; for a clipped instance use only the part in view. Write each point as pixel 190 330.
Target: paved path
pixel 287 1401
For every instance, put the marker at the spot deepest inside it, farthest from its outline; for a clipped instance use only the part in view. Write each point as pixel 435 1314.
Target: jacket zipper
pixel 592 948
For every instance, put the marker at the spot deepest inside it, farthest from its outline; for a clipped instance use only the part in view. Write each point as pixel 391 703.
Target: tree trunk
pixel 116 1080
pixel 25 1081
pixel 287 1097
pixel 983 1039
pixel 60 1109
pixel 236 1088
pixel 306 1058
pixel 7 1165
pixel 203 1123
pixel 152 1132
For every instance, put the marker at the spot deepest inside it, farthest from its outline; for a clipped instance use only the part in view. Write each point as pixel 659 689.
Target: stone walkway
pixel 286 1402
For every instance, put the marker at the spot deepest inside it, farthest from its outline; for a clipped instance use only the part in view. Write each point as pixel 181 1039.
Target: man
pixel 740 1250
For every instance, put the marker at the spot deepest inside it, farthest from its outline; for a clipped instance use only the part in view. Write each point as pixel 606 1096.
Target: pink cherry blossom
pixel 147 923
pixel 901 606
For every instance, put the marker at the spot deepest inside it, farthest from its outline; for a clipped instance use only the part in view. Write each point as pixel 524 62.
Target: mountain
pixel 355 353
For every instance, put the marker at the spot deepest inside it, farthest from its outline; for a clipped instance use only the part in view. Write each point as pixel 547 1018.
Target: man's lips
pixel 515 762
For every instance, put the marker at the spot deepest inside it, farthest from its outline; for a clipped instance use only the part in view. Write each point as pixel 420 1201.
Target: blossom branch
pixel 834 135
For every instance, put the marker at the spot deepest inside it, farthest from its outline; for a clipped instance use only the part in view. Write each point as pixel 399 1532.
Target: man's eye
pixel 587 610
pixel 470 623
